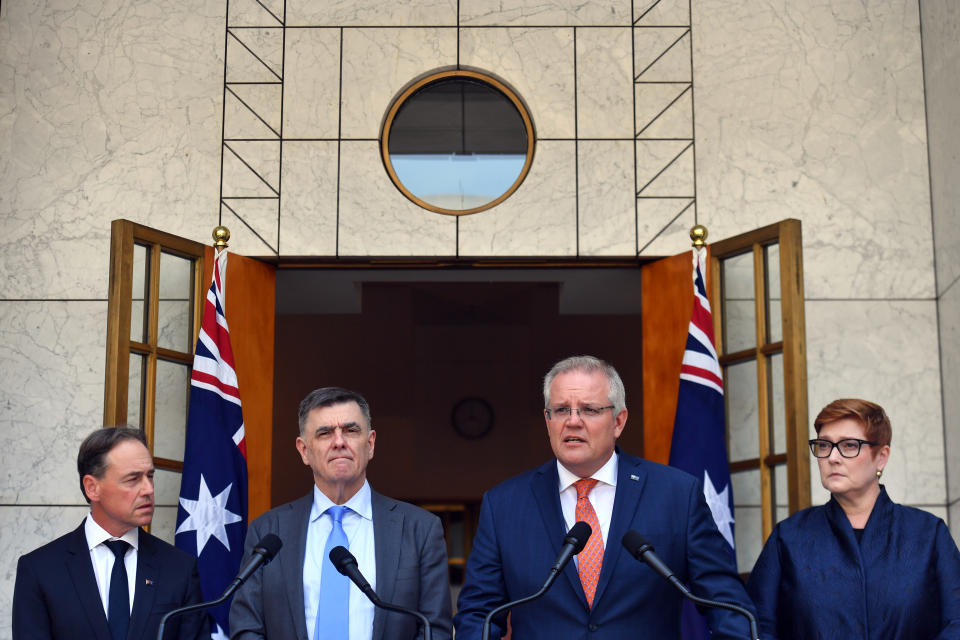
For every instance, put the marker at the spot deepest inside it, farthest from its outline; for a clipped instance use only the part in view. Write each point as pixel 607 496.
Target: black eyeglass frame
pixel 836 445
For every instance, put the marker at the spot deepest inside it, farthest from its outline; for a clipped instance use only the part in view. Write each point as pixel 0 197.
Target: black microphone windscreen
pixel 635 543
pixel 578 535
pixel 269 545
pixel 341 557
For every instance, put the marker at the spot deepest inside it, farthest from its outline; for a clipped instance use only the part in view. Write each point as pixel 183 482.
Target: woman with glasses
pixel 859 566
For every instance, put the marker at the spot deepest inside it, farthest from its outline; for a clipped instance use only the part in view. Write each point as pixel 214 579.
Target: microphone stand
pixel 193 607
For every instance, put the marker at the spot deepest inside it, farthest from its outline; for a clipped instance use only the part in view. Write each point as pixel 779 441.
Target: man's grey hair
pixel 327 396
pixel 588 364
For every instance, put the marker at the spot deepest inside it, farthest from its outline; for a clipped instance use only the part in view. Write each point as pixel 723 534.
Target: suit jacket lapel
pixel 144 585
pixel 292 527
pixel 80 569
pixel 630 481
pixel 546 491
pixel 387 534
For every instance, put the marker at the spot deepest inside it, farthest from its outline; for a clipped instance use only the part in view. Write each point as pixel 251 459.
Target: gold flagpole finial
pixel 221 235
pixel 699 236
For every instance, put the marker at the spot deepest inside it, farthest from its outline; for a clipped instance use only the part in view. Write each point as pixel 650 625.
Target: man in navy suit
pixel 74 587
pixel 605 593
pixel 399 547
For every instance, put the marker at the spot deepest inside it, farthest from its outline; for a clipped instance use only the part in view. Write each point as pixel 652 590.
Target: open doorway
pixel 418 342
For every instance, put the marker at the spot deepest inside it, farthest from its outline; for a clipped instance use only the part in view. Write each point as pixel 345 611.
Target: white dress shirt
pixel 601 497
pixel 358 527
pixel 103 559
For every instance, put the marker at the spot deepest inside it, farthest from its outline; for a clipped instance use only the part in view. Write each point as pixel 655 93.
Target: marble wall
pixel 940 20
pixel 814 110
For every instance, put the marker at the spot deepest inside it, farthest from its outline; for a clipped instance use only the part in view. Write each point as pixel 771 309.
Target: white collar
pixel 606 474
pixel 359 503
pixel 98 535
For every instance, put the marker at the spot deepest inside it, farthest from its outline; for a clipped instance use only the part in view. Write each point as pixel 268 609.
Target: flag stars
pixel 209 516
pixel 719 504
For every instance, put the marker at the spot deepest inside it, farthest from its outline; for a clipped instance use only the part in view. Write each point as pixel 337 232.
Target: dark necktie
pixel 118 601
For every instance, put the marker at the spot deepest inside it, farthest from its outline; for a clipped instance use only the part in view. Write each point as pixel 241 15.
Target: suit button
pixel 592 627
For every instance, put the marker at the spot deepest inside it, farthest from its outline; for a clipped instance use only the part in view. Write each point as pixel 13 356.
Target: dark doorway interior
pixel 415 342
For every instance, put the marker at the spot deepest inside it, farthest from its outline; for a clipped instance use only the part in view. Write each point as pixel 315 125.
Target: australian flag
pixel 699 430
pixel 212 517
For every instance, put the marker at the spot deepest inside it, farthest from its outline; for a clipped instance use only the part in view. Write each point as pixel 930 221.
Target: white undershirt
pixel 103 559
pixel 358 527
pixel 601 497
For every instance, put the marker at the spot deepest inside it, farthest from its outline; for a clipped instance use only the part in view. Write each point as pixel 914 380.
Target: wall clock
pixel 472 417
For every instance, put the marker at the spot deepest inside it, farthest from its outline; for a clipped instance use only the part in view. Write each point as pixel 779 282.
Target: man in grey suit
pixel 399 547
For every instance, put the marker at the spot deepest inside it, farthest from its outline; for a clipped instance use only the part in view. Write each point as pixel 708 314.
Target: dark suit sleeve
pixel 948 579
pixel 483 588
pixel 763 586
pixel 30 618
pixel 246 612
pixel 435 582
pixel 712 571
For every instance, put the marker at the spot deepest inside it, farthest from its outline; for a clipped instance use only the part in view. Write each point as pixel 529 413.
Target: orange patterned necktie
pixel 590 560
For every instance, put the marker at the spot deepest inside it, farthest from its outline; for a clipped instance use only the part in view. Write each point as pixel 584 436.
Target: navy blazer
pixel 521 530
pixel 412 572
pixel 56 595
pixel 901 582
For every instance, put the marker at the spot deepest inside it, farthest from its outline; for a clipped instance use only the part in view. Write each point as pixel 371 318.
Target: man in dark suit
pixel 399 547
pixel 108 579
pixel 605 593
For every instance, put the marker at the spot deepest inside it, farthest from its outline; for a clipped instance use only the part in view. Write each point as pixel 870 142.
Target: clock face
pixel 472 417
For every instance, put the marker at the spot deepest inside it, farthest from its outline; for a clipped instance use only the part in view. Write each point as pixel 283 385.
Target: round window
pixel 457 142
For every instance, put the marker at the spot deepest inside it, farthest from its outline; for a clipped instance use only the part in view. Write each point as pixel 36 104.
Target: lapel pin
pixel 147 581
pixel 634 477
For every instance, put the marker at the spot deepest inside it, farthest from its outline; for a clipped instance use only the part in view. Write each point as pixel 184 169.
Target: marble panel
pixel 253 224
pixel 815 112
pixel 378 64
pixel 23 529
pixel 661 12
pixel 111 113
pixel 51 380
pixel 556 12
pixel 308 205
pixel 604 83
pixel 539 219
pixel 605 209
pixel 537 63
pixel 885 351
pixel 376 219
pixel 948 310
pixel 365 13
pixel 663 225
pixel 311 84
pixel 940 23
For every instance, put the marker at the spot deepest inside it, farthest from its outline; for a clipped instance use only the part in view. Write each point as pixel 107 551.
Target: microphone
pixel 261 555
pixel 345 562
pixel 641 549
pixel 573 544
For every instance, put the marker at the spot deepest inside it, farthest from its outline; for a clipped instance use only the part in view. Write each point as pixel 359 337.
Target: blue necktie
pixel 118 599
pixel 333 613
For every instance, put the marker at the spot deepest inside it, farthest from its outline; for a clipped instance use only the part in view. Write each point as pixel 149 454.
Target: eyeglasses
pixel 849 448
pixel 562 413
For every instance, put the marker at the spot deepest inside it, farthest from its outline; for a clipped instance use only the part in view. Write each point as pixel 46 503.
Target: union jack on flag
pixel 699 430
pixel 212 516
